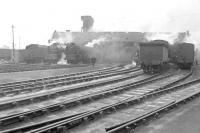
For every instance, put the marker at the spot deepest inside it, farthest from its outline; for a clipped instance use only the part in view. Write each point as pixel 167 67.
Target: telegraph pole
pixel 19 41
pixel 13 45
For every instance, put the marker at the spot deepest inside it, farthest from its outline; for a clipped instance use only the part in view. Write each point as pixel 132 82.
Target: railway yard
pixel 109 98
pixel 131 67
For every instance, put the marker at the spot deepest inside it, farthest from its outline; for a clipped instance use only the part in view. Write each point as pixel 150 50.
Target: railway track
pixel 126 118
pixel 86 92
pixel 117 98
pixel 168 103
pixel 7 68
pixel 30 82
pixel 60 76
pixel 38 97
pixel 6 103
pixel 58 82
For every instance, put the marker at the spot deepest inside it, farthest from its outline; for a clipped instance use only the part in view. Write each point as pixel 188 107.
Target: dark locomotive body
pixel 74 54
pixel 182 54
pixel 153 55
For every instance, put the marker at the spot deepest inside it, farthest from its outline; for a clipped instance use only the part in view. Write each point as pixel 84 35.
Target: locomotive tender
pixel 153 55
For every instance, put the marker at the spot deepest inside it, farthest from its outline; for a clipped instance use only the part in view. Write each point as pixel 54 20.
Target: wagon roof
pixel 185 43
pixel 156 43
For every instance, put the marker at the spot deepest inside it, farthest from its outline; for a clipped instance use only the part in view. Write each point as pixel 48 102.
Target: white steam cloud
pixel 170 37
pixel 62 39
pixel 94 42
pixel 183 17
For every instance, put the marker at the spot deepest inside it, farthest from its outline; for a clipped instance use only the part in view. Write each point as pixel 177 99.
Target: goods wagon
pixel 35 53
pixel 182 54
pixel 153 55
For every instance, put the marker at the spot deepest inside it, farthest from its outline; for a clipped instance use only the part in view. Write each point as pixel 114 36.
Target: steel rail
pixel 60 76
pixel 68 123
pixel 70 102
pixel 109 107
pixel 17 91
pixel 131 125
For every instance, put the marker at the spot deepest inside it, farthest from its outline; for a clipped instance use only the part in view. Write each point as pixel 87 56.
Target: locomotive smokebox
pixel 87 23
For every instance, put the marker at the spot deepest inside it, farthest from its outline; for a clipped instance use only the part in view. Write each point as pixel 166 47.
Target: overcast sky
pixel 35 20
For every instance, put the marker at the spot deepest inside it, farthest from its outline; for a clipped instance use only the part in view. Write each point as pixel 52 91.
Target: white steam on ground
pixel 133 64
pixel 62 60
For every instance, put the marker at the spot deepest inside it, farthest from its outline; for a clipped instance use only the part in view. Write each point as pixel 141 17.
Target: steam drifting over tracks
pixel 52 82
pixel 94 113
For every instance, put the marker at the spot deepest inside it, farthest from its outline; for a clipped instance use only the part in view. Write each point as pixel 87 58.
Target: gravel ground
pixel 196 73
pixel 27 75
pixel 183 120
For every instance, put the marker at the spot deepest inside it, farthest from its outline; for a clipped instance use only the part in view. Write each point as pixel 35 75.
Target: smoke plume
pixel 185 18
pixel 87 23
pixel 161 36
pixel 62 39
pixel 111 51
pixel 168 36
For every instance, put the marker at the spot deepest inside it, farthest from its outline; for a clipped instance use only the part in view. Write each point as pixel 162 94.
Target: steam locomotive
pixel 182 54
pixel 35 53
pixel 75 54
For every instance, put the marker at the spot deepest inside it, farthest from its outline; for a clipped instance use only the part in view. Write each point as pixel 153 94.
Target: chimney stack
pixel 87 23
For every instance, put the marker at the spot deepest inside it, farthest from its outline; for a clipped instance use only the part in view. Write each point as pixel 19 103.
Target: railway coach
pixel 153 55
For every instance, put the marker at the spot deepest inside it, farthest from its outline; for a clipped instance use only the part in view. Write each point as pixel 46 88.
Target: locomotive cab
pixel 183 55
